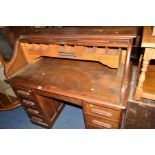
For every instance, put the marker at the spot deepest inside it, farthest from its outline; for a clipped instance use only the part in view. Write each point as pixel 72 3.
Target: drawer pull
pixel 23 92
pixel 37 119
pixel 28 102
pixel 101 112
pixel 40 123
pixel 33 111
pixel 106 125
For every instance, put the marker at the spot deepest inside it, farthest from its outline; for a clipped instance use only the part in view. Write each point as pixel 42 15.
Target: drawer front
pixel 31 107
pixel 59 97
pixel 101 123
pixel 35 112
pixel 101 111
pixel 91 126
pixel 39 121
pixel 23 92
pixel 29 103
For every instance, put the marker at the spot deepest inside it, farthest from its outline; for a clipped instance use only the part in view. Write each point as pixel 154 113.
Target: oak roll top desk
pixel 89 67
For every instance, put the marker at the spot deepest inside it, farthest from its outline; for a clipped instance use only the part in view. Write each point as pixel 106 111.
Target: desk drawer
pixel 91 126
pixel 100 122
pixel 39 121
pixel 58 97
pixel 23 92
pixel 103 112
pixel 35 112
pixel 32 107
pixel 27 102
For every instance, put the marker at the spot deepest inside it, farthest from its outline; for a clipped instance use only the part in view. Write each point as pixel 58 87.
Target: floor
pixel 70 118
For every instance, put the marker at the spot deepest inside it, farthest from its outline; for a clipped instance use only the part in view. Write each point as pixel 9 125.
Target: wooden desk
pixel 85 80
pixel 146 82
pixel 89 67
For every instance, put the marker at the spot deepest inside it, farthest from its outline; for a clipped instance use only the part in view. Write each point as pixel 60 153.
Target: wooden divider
pixel 111 57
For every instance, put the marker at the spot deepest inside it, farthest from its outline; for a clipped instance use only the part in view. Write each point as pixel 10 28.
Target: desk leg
pixel 142 77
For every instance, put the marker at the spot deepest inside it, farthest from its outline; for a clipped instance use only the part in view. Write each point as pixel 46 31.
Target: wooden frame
pixel 146 87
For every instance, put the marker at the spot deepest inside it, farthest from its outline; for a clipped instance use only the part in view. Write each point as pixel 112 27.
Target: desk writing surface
pixel 84 79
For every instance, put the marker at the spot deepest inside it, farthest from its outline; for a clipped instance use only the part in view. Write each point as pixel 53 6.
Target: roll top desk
pixel 89 67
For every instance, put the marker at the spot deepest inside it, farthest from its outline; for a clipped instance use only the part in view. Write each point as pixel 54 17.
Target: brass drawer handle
pixel 101 112
pixel 23 92
pixel 106 125
pixel 37 119
pixel 33 111
pixel 28 102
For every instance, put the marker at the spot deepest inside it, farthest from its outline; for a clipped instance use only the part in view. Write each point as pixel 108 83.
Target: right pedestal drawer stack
pixel 98 117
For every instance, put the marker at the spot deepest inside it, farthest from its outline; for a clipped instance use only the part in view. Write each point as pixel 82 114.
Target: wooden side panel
pixel 26 49
pixel 140 116
pixel 17 62
pixel 49 107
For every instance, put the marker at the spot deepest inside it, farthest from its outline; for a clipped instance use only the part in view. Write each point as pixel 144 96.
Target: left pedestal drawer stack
pixel 41 110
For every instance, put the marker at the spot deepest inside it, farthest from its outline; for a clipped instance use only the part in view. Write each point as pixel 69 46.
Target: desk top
pixel 148 40
pixel 85 80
